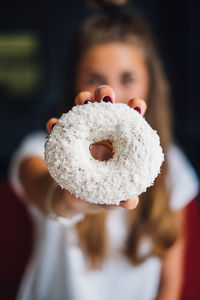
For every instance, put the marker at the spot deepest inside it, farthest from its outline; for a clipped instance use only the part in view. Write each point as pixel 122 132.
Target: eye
pixel 127 78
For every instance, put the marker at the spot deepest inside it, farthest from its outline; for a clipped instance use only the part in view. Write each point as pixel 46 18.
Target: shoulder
pixel 33 142
pixel 182 179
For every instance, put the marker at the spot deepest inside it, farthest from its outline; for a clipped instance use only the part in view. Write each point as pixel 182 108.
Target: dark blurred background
pixel 33 46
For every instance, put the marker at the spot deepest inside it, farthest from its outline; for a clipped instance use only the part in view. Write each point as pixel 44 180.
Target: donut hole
pixel 102 151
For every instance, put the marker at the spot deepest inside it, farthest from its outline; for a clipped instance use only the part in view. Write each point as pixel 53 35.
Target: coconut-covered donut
pixel 137 154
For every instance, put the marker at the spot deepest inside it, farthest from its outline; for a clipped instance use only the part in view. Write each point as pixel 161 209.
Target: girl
pixel 114 252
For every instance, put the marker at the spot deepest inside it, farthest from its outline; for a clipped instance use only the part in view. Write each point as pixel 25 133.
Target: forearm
pixel 173 265
pixel 167 292
pixel 36 182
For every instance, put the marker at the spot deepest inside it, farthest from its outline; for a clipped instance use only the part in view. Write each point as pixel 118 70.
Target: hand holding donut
pixel 76 205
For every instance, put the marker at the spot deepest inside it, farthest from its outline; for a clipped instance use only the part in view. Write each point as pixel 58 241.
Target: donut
pixel 136 159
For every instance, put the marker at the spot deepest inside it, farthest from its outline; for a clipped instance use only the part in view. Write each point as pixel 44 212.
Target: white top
pixel 58 269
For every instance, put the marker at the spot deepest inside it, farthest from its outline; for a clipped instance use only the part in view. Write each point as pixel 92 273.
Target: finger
pixel 78 205
pixel 130 203
pixel 83 98
pixel 138 104
pixel 104 93
pixel 50 124
pixel 73 201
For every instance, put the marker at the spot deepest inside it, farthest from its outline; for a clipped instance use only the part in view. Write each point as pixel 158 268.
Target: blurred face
pixel 119 65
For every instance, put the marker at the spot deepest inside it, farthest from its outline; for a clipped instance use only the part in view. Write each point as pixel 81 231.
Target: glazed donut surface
pixel 137 154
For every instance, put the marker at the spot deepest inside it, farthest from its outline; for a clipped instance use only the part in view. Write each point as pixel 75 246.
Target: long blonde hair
pixel 153 217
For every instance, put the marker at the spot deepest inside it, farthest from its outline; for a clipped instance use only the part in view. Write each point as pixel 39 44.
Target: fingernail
pixel 137 109
pixel 87 101
pixel 102 86
pixel 107 99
